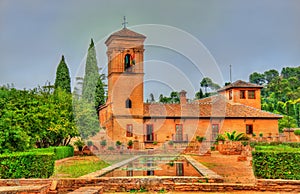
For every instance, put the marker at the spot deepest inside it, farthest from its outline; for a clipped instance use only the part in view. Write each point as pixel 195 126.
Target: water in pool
pixel 155 166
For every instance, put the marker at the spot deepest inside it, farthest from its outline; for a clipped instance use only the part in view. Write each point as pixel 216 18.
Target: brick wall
pixel 156 184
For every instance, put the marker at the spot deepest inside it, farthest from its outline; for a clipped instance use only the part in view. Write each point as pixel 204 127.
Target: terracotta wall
pixel 165 128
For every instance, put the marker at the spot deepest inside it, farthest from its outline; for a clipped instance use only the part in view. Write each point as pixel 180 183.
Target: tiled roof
pixel 214 106
pixel 127 33
pixel 240 84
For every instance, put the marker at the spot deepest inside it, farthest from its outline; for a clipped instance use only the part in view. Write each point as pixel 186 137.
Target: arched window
pixel 128 103
pixel 127 61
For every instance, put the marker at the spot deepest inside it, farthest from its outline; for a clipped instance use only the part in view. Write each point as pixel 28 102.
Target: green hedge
pixel 60 151
pixel 290 144
pixel 275 148
pixel 274 164
pixel 297 132
pixel 26 165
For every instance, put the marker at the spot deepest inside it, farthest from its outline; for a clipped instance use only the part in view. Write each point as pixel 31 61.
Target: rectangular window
pixel 251 94
pixel 178 132
pixel 179 169
pixel 249 129
pixel 242 94
pixel 230 94
pixel 215 131
pixel 129 172
pixel 129 130
pixel 149 133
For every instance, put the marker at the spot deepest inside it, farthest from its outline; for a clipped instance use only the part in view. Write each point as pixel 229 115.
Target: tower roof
pixel 125 33
pixel 240 84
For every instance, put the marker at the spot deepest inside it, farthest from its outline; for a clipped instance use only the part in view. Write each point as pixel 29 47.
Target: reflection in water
pixel 156 166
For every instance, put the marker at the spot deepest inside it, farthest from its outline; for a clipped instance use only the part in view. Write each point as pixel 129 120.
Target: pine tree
pixel 63 79
pixel 91 75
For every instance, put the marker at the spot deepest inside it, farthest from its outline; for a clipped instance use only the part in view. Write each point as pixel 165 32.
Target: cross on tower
pixel 124 22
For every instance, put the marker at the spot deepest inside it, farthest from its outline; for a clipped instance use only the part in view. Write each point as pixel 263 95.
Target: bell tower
pixel 125 52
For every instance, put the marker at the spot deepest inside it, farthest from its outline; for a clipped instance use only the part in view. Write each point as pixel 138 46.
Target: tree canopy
pixel 281 94
pixel 35 118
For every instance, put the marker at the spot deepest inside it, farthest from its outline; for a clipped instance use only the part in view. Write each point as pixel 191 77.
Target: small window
pixel 215 132
pixel 249 129
pixel 149 133
pixel 128 103
pixel 178 132
pixel 242 94
pixel 230 94
pixel 251 94
pixel 129 130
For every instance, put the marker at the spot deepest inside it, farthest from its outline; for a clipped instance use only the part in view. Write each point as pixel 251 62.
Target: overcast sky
pixel 255 35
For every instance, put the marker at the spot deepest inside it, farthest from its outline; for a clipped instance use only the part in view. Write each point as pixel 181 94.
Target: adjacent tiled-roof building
pixel 125 116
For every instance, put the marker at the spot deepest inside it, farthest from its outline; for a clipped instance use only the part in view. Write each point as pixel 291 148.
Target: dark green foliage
pixel 277 164
pixel 199 94
pixel 63 79
pixel 297 132
pixel 79 144
pixel 26 165
pixel 257 78
pixel 38 117
pixel 86 118
pixel 206 82
pixel 59 152
pixel 103 143
pixel 174 98
pixel 91 75
pixel 118 143
pixel 100 92
pixel 264 144
pixel 281 94
pixel 200 139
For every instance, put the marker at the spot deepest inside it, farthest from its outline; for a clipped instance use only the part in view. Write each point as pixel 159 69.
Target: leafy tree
pixel 257 78
pixel 38 117
pixel 206 82
pixel 199 94
pixel 63 79
pixel 270 75
pixel 174 98
pixel 86 118
pixel 286 122
pixel 91 75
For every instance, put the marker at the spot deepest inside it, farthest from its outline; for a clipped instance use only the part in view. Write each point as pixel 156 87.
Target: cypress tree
pixel 91 75
pixel 63 79
pixel 99 93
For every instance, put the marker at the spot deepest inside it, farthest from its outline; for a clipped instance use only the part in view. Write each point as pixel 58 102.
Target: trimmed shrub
pixel 26 165
pixel 297 132
pixel 276 164
pixel 60 152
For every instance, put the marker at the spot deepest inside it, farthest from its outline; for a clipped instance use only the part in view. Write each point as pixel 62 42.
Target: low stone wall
pixel 178 184
pixel 230 148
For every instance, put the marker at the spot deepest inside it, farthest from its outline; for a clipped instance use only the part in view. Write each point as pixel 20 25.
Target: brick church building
pixel 125 116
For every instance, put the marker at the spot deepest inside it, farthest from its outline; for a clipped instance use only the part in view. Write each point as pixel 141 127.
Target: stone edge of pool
pixel 207 173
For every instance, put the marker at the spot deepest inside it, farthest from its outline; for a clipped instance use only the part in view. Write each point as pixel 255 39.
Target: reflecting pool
pixel 155 166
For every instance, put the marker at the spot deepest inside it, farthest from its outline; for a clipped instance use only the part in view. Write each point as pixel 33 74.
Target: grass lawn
pixel 80 166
